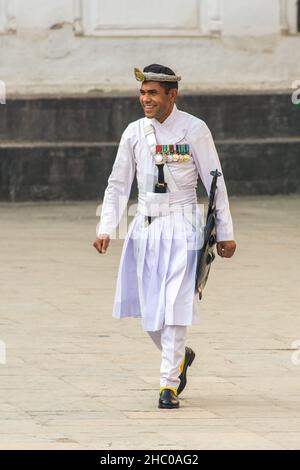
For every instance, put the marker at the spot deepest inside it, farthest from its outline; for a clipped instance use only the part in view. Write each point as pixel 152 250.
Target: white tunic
pixel 156 278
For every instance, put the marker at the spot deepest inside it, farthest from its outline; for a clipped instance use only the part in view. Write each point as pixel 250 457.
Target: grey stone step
pixel 103 119
pixel 79 171
pixel 64 148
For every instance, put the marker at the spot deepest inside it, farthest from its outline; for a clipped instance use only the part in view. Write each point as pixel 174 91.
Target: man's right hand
pixel 101 243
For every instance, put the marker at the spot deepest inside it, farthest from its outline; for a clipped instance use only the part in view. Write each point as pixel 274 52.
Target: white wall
pixel 74 46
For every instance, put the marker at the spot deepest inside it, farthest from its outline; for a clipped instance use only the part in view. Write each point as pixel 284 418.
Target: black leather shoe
pixel 168 399
pixel 188 360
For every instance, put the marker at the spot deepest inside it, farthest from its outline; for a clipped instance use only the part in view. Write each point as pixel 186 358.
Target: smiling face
pixel 155 100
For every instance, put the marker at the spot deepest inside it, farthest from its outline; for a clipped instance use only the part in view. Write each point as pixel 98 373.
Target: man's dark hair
pixel 157 68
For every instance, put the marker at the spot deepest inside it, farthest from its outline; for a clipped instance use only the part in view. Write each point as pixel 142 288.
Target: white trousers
pixel 170 340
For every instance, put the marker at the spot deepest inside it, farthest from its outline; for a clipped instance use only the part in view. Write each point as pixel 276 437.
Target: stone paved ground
pixel 75 378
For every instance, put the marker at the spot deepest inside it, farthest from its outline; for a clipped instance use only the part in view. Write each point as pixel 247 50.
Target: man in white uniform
pixel 156 278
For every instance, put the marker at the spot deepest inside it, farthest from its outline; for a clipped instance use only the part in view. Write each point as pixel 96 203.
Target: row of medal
pixel 172 153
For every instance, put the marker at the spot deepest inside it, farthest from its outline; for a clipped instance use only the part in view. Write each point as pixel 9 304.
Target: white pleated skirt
pixel 157 271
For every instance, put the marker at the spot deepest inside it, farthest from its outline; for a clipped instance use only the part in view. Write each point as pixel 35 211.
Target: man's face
pixel 155 102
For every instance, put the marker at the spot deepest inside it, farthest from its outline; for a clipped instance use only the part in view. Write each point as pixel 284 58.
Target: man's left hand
pixel 226 248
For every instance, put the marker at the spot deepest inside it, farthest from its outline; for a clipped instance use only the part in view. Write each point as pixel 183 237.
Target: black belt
pixel 161 185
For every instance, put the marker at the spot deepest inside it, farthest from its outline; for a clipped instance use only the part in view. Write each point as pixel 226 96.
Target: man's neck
pixel 162 119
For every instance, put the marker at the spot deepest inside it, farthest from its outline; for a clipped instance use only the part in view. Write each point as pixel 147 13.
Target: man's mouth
pixel 148 108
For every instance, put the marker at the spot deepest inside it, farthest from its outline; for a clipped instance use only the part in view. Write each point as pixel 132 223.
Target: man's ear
pixel 173 93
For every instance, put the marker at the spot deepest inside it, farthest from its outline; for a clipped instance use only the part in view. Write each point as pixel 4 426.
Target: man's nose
pixel 146 98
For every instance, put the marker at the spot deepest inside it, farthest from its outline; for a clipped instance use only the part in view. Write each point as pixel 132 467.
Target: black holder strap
pixel 161 185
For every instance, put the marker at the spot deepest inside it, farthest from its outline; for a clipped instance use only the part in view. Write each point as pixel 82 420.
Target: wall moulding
pixel 112 18
pixel 78 17
pixel 288 15
pixel 215 16
pixel 8 16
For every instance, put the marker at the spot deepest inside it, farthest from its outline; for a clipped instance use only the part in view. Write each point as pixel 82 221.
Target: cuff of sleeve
pixel 224 236
pixel 101 229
